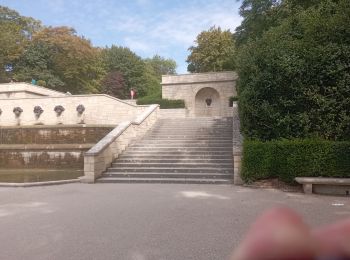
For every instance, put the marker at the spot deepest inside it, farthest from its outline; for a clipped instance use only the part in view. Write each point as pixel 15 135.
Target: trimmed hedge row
pixel 163 103
pixel 287 159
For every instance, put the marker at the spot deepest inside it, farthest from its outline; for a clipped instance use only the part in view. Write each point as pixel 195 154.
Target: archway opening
pixel 207 103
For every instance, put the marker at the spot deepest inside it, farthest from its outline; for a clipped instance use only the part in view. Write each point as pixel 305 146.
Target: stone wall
pixel 173 113
pixel 62 134
pixel 48 146
pixel 196 88
pixel 42 159
pixel 99 109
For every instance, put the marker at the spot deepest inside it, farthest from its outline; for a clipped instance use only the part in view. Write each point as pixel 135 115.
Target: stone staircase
pixel 186 150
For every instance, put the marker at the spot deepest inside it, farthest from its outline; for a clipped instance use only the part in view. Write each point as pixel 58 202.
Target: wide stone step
pixel 184 141
pixel 177 154
pixel 185 124
pixel 180 146
pixel 169 170
pixel 204 133
pixel 173 165
pixel 166 175
pixel 193 128
pixel 147 156
pixel 172 160
pixel 185 138
pixel 165 180
pixel 193 122
pixel 180 149
pixel 180 135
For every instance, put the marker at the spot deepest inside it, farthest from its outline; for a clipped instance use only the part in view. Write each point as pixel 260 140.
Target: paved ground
pixel 141 221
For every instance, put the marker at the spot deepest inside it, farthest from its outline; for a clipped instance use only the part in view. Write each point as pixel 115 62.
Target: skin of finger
pixel 334 239
pixel 278 234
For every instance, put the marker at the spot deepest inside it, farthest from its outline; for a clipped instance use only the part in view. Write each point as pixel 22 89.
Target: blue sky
pixel 147 27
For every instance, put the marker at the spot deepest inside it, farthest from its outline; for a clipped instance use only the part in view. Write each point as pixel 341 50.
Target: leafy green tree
pixel 69 58
pixel 258 16
pixel 214 51
pixel 294 79
pixel 37 63
pixel 162 66
pixel 261 15
pixel 15 33
pixel 131 66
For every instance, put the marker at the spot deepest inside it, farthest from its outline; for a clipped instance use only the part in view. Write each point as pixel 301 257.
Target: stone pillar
pixel 237 180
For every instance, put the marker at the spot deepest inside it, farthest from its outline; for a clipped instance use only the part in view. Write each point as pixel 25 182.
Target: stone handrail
pixel 100 157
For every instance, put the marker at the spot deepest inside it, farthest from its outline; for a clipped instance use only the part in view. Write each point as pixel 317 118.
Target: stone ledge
pixel 60 127
pixel 323 180
pixel 34 184
pixel 30 147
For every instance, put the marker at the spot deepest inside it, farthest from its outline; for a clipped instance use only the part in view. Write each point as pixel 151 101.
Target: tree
pixel 131 66
pixel 261 15
pixel 214 51
pixel 162 66
pixel 258 16
pixel 294 79
pixel 36 63
pixel 71 59
pixel 114 84
pixel 15 33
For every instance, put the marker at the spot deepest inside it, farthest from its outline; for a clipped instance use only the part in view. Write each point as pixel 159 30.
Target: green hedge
pixel 287 159
pixel 163 103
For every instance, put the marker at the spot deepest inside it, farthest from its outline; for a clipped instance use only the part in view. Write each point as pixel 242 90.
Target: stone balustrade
pixel 100 157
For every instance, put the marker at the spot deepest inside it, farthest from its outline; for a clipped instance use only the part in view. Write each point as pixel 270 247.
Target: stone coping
pixel 59 126
pixel 30 147
pixel 116 132
pixel 27 87
pixel 323 180
pixel 199 78
pixel 35 184
pixel 75 96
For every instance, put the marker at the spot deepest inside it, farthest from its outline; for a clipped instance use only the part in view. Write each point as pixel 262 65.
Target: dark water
pixel 38 175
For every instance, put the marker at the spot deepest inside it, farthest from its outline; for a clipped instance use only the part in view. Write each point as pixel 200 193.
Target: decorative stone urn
pixel 38 111
pixel 80 109
pixel 59 110
pixel 18 111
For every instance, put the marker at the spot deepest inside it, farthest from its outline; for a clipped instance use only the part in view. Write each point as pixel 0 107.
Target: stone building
pixel 205 94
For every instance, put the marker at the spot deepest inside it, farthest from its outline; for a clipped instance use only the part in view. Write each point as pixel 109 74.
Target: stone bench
pixel 330 186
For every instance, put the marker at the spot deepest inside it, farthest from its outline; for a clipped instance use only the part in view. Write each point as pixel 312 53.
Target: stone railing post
pixel 237 139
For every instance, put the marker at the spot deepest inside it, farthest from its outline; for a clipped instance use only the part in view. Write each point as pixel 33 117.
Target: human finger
pixel 278 234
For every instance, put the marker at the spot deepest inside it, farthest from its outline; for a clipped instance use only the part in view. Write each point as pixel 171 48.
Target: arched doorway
pixel 207 102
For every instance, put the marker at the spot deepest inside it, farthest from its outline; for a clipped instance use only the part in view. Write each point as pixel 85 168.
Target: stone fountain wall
pixel 48 146
pixel 66 110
